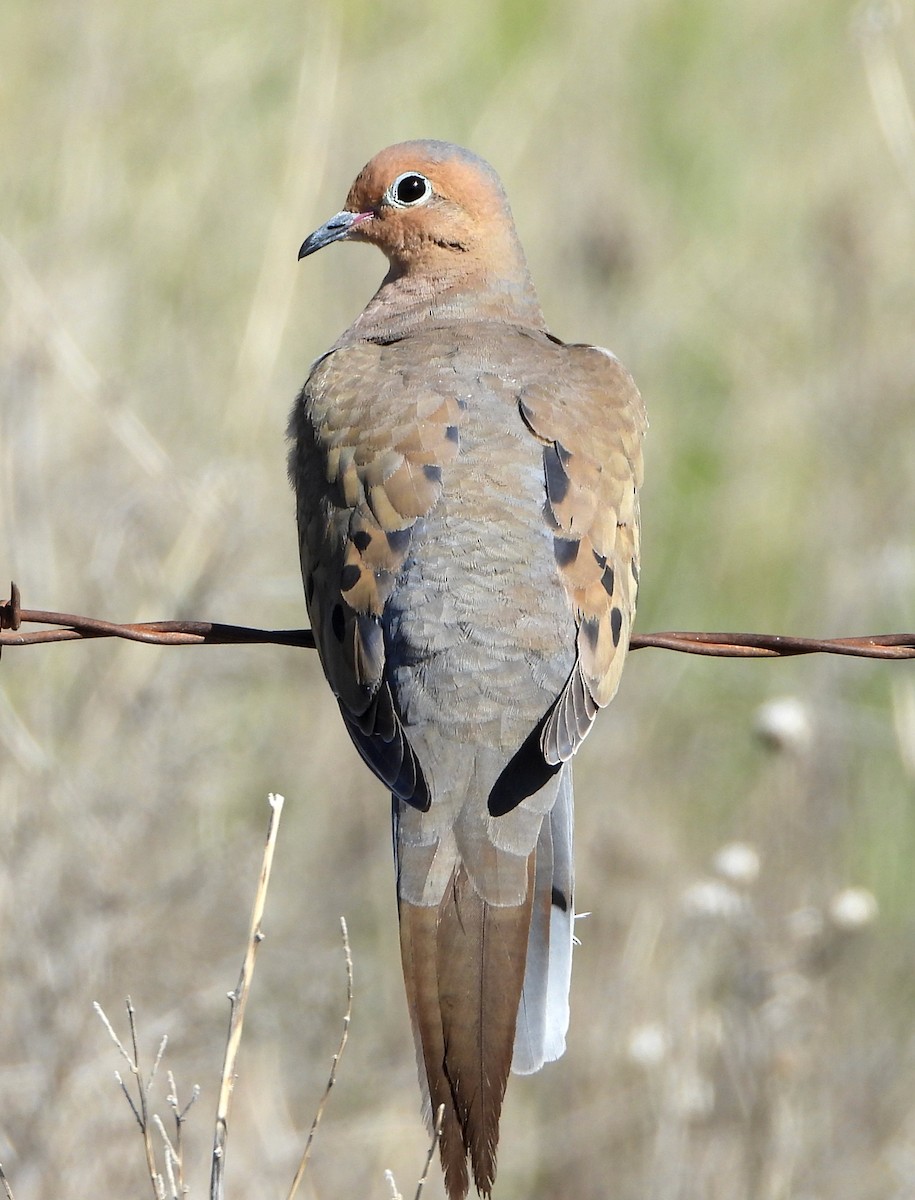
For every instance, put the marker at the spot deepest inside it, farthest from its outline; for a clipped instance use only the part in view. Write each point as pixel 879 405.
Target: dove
pixel 467 499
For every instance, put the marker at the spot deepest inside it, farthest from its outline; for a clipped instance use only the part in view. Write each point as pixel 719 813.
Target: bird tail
pixel 487 987
pixel 463 965
pixel 543 1015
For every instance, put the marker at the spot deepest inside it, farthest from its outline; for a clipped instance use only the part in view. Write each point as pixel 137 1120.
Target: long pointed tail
pixel 464 963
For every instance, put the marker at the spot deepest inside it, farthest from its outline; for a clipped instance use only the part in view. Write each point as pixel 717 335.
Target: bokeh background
pixel 725 195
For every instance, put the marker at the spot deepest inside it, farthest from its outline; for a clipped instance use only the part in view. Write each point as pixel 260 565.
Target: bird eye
pixel 408 189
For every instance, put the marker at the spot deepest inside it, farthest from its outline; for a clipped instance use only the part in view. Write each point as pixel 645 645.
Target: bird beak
pixel 334 230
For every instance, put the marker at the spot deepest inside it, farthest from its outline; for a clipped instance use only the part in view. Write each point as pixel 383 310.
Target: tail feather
pixel 464 965
pixel 417 947
pixel 543 1017
pixel 562 921
pixel 530 1031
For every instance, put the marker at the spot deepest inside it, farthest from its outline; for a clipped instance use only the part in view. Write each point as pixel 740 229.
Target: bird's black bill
pixel 331 231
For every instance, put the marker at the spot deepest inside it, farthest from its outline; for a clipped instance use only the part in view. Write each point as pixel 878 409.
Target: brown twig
pixel 303 1162
pixel 69 627
pixel 238 1001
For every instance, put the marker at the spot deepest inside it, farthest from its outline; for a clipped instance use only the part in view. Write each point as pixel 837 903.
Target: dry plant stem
pixel 140 1109
pixel 180 1117
pixel 238 1001
pixel 171 1158
pixel 197 633
pixel 436 1135
pixel 174 1151
pixel 144 1094
pixel 7 1190
pixel 333 1066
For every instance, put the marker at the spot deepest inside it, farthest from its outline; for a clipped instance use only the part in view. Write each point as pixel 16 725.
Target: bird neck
pixel 408 299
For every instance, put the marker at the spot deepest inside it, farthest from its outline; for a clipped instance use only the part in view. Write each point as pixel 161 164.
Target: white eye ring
pixel 408 190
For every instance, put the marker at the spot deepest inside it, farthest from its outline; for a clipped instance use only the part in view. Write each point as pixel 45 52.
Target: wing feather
pixel 368 450
pixel 590 424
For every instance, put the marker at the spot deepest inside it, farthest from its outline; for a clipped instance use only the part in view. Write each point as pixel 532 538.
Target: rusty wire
pixel 68 627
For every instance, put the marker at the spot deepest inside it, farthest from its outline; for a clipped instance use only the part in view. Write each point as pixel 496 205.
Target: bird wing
pixel 590 426
pixel 369 446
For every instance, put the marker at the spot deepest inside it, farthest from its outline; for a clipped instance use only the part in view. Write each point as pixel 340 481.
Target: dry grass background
pixel 725 194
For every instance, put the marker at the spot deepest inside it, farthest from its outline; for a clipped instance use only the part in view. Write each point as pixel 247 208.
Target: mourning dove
pixel 467 503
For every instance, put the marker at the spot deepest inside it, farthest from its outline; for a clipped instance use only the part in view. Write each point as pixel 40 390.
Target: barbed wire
pixel 69 627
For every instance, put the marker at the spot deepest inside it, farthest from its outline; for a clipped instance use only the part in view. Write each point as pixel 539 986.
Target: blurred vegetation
pixel 725 194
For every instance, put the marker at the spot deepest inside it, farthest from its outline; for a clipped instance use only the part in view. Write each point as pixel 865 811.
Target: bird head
pixel 437 212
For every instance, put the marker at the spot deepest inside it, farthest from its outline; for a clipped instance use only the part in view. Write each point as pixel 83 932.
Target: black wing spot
pixel 349 577
pixel 362 539
pixel 557 481
pixel 452 433
pixel 590 627
pixel 607 580
pixel 565 551
pixel 399 540
pixel 616 624
pixel 338 622
pixel 559 901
